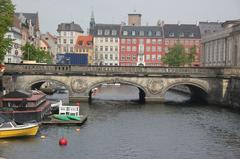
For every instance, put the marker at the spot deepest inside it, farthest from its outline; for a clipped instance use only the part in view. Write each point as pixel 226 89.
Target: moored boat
pixel 72 117
pixel 11 129
pixel 61 117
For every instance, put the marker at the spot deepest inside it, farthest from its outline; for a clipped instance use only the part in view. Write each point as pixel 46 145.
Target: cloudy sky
pixel 53 12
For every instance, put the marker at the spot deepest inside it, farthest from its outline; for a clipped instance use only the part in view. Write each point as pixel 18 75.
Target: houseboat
pixel 23 106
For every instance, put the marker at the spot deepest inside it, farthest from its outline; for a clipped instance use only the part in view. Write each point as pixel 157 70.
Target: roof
pixel 210 27
pixel 149 31
pixel 18 94
pixel 70 27
pixel 85 40
pixel 30 16
pixel 105 28
pixel 182 31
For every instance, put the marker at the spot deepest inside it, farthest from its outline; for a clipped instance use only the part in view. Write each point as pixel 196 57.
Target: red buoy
pixel 63 141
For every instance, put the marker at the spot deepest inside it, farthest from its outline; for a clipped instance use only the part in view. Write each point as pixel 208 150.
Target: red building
pixel 141 45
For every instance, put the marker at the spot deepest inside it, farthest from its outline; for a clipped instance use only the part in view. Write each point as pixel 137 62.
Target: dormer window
pixel 191 35
pixel 181 34
pixel 133 33
pixel 158 33
pixel 107 32
pixel 99 32
pixel 150 33
pixel 114 32
pixel 125 33
pixel 141 33
pixel 171 34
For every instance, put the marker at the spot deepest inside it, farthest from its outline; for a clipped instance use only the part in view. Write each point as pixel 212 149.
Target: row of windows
pixel 106 57
pixel 107 40
pixel 148 48
pixel 66 33
pixel 141 33
pixel 106 48
pixel 141 41
pixel 152 57
pixel 107 32
pixel 183 42
pixel 171 34
pixel 65 41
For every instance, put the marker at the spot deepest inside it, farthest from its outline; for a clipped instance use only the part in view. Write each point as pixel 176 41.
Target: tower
pixel 92 24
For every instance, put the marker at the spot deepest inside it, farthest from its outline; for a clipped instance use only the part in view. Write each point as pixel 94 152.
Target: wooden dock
pixel 52 121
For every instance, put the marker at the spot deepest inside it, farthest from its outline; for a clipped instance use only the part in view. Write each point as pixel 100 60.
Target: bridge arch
pixel 199 90
pixel 29 85
pixel 142 89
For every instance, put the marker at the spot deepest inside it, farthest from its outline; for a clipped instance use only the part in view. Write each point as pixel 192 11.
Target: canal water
pixel 127 130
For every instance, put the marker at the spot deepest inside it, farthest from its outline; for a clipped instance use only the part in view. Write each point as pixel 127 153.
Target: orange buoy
pixel 63 141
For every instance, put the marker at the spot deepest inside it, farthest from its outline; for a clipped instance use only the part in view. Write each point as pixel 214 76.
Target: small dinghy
pixel 61 117
pixel 71 117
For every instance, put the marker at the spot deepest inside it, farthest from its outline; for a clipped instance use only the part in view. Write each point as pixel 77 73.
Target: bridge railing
pixel 118 70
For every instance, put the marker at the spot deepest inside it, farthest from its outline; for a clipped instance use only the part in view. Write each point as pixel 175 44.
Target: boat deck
pixel 52 121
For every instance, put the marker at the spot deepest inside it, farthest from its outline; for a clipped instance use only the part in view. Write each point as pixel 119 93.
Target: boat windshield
pixel 6 125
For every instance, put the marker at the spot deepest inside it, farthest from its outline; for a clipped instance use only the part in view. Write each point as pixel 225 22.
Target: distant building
pixel 134 19
pixel 84 45
pixel 68 34
pixel 222 48
pixel 106 44
pixel 141 45
pixel 187 35
pixel 14 55
pixel 49 43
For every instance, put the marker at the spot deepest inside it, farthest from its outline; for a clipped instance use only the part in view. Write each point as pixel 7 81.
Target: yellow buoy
pixel 43 137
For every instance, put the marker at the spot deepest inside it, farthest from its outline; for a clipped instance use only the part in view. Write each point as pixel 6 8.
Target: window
pixel 125 33
pixel 106 39
pixel 71 49
pixel 116 57
pixel 106 48
pixel 64 33
pixel 128 57
pixel 158 33
pixel 99 32
pixel 147 57
pixel 65 49
pixel 111 56
pixel 150 33
pixel 9 60
pixel 116 40
pixel 123 58
pixel 181 34
pixel 159 41
pixel 101 40
pixel 106 56
pixel 101 48
pixel 71 33
pixel 153 41
pixel 134 48
pixel 154 49
pixel 153 57
pixel 64 41
pixel 159 57
pixel 134 41
pixel 128 48
pixel 134 57
pixel 128 41
pixel 148 41
pixel 123 41
pixel 114 32
pixel 148 48
pixel 171 34
pixel 141 33
pixel 116 48
pixel 111 48
pixel 9 36
pixel 166 50
pixel 133 33
pixel 71 41
pixel 107 32
pixel 122 48
pixel 111 39
pixel 159 48
pixel 101 56
pixel 191 35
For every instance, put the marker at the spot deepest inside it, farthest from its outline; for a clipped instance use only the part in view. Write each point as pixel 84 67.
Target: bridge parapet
pixel 113 70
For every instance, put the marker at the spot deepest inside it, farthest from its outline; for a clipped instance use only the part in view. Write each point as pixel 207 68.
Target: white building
pixel 68 35
pixel 106 44
pixel 222 48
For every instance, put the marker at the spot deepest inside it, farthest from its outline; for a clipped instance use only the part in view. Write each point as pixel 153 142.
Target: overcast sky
pixel 53 12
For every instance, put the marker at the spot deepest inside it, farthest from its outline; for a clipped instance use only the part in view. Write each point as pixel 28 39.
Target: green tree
pixel 178 57
pixel 6 21
pixel 30 52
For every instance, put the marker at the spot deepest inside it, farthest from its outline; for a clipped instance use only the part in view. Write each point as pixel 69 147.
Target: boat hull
pixel 30 130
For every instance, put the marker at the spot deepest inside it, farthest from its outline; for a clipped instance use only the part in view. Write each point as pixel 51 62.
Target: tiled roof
pixel 85 40
pixel 181 31
pixel 108 30
pixel 142 31
pixel 70 27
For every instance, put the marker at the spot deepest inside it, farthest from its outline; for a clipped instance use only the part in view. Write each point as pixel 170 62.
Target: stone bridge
pixel 206 84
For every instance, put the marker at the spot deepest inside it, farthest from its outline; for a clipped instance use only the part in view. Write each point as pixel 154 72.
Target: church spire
pixel 92 23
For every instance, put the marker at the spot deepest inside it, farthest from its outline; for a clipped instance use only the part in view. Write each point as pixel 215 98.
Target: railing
pixel 66 110
pixel 118 70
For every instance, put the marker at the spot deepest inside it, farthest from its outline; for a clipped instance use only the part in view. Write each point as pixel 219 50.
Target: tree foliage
pixel 6 21
pixel 30 52
pixel 178 57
